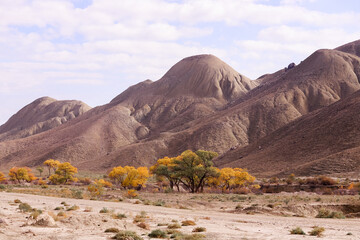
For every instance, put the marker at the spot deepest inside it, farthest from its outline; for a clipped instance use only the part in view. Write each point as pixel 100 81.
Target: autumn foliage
pixel 2 177
pixel 64 173
pixel 21 174
pixel 129 176
pixel 51 164
pixel 97 188
pixel 194 170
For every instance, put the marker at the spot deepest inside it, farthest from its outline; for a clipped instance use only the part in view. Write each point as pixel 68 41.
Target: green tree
pixel 40 170
pixel 164 169
pixel 194 169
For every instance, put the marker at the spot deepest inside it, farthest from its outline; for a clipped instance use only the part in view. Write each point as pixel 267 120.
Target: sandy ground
pixel 220 225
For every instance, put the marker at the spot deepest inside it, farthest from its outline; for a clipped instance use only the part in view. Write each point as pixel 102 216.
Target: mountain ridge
pixel 200 103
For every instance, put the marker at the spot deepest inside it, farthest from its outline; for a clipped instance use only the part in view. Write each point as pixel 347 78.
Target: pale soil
pixel 219 224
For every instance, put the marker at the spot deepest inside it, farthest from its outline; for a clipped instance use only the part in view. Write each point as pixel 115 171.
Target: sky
pixel 92 50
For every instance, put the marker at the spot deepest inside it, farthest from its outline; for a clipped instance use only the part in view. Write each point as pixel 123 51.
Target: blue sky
pixel 92 50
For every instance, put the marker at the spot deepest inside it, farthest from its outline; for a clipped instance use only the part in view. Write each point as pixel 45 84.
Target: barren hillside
pixel 202 103
pixel 39 116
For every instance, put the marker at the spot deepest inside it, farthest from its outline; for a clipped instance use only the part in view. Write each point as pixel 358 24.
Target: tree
pixel 2 177
pixel 40 170
pixel 242 178
pixel 194 169
pixel 231 178
pixel 65 172
pixel 227 178
pixel 97 188
pixel 51 164
pixel 129 176
pixel 21 174
pixel 164 169
pixel 118 174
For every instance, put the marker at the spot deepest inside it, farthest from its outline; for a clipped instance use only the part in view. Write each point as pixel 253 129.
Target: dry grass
pixel 188 223
pixel 112 230
pixel 199 229
pixel 317 231
pixel 143 226
pixel 174 226
pixel 297 231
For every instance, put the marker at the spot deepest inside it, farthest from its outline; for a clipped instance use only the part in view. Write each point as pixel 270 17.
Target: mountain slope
pixel 39 116
pixel 322 79
pixel 200 103
pixel 193 88
pixel 325 141
pixel 143 111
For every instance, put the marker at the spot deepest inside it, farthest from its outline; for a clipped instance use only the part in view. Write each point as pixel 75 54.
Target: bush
pixel 317 231
pixel 199 229
pixel 104 210
pixel 298 231
pixel 72 208
pixel 174 226
pixel 159 203
pixel 143 226
pixel 324 213
pixel 323 180
pixel 195 236
pixel 132 193
pixel 140 218
pixel 157 234
pixel 35 213
pixel 188 223
pixel 112 230
pixel 24 207
pixel 119 216
pixel 78 194
pixel 61 214
pixel 17 201
pixel 127 235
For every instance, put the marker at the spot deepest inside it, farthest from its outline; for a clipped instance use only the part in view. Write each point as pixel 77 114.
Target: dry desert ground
pixel 87 223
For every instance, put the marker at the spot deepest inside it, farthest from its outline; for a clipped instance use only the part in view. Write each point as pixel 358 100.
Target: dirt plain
pixel 229 216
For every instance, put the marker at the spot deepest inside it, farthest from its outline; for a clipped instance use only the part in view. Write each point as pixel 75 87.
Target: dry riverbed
pixel 220 223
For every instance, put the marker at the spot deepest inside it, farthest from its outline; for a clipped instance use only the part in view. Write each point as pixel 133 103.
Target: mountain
pixel 194 88
pixel 39 116
pixel 322 142
pixel 202 103
pixel 352 48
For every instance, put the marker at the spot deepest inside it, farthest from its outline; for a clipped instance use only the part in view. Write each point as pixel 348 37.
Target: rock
pixel 45 220
pixel 291 65
pixel 2 222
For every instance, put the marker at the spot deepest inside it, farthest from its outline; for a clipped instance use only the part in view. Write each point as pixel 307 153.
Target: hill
pixel 202 103
pixel 39 116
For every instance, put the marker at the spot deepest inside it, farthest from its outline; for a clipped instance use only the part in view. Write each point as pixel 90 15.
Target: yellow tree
pixel 129 176
pixel 2 177
pixel 97 188
pixel 135 177
pixel 51 164
pixel 227 178
pixel 242 177
pixel 65 172
pixel 21 174
pixel 214 181
pixel 234 177
pixel 117 174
